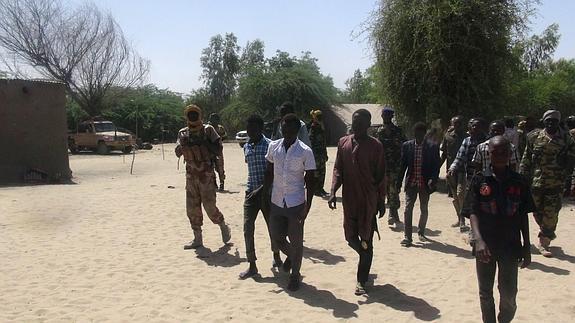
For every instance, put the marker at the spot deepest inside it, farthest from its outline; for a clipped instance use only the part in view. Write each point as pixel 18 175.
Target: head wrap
pixel 552 114
pixel 194 125
pixel 315 114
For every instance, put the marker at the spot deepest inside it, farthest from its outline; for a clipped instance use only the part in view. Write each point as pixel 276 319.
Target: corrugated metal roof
pixel 345 112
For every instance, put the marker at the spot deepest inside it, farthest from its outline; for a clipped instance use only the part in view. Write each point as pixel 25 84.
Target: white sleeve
pixel 270 154
pixel 309 160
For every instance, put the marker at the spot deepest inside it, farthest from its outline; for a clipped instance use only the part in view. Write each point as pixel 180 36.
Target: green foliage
pixel 363 87
pixel 437 59
pixel 152 109
pixel 221 65
pixel 281 78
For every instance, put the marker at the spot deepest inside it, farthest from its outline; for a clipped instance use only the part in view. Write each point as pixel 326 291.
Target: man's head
pixel 499 151
pixel 474 126
pixel 360 122
pixel 214 118
pixel 290 125
pixel 551 120
pixel 387 114
pixel 457 123
pixel 316 115
pixel 570 122
pixel 496 128
pixel 254 126
pixel 286 108
pixel 419 131
pixel 193 115
pixel 509 123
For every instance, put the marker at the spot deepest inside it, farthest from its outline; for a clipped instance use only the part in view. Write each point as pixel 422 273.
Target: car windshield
pixel 104 127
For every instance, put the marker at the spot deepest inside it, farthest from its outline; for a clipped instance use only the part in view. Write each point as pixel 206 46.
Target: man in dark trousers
pixel 497 206
pixel 420 158
pixel 360 168
pixel 290 174
pixel 256 200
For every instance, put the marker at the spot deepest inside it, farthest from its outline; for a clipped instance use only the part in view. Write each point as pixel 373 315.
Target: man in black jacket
pixel 420 158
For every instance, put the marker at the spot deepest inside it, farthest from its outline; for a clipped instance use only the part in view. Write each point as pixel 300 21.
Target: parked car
pixel 242 138
pixel 101 137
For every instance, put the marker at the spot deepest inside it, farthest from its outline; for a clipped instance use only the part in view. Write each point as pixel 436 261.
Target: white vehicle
pixel 242 138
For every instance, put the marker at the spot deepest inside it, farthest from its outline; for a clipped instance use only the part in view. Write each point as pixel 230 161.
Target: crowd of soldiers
pixel 496 174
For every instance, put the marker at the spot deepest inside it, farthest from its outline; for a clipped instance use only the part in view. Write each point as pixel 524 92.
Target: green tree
pixel 357 88
pixel 441 58
pixel 221 64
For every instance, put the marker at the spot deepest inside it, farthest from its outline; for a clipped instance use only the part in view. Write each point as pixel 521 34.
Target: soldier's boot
pixel 226 234
pixel 543 246
pixel 197 242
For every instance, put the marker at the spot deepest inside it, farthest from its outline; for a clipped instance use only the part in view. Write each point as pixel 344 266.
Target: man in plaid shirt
pixel 420 158
pixel 482 160
pixel 467 150
pixel 256 199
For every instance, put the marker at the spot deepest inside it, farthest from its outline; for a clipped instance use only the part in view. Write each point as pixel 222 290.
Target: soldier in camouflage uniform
pixel 199 145
pixel 219 160
pixel 457 183
pixel 319 148
pixel 392 137
pixel 549 153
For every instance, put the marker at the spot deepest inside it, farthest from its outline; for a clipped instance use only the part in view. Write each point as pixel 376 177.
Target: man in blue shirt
pixel 256 199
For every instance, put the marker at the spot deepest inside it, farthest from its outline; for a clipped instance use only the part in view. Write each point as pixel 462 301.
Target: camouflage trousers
pixel 219 162
pixel 458 185
pixel 392 190
pixel 547 206
pixel 319 175
pixel 200 191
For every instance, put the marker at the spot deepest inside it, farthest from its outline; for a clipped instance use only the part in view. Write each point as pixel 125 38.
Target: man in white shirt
pixel 290 171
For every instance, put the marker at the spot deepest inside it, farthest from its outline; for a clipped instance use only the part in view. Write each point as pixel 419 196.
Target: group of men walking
pixel 285 174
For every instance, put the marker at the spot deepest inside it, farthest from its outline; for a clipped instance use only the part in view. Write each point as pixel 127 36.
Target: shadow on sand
pixel 221 257
pixel 313 296
pixel 390 296
pixel 548 269
pixel 318 256
pixel 561 255
pixel 445 248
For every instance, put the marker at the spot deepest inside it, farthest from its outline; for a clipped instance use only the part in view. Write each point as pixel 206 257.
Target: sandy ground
pixel 109 248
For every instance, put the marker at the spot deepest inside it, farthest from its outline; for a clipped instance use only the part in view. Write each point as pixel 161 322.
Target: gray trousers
pixel 411 193
pixel 284 224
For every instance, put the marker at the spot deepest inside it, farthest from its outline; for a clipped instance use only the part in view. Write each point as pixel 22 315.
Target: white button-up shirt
pixel 289 170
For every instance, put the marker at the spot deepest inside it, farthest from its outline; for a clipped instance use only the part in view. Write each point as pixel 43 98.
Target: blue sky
pixel 172 33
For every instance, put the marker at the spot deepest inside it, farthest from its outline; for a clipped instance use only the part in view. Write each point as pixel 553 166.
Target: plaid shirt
pixel 463 160
pixel 482 157
pixel 416 178
pixel 255 155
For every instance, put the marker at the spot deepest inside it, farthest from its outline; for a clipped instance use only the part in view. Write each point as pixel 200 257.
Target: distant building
pixel 33 132
pixel 337 120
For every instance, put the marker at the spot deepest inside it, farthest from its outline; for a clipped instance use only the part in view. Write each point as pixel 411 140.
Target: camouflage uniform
pixel 200 176
pixel 219 159
pixel 457 183
pixel 392 137
pixel 546 161
pixel 319 148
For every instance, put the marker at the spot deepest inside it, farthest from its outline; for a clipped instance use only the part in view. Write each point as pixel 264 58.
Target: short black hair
pixel 286 107
pixel 419 126
pixel 497 123
pixel 291 118
pixel 364 113
pixel 255 119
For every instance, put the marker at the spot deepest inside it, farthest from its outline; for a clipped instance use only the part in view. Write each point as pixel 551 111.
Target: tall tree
pixel 441 58
pixel 253 55
pixel 221 64
pixel 357 88
pixel 81 47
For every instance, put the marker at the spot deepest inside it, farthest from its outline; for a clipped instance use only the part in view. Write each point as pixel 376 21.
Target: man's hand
pixel 332 201
pixel 482 252
pixel 525 256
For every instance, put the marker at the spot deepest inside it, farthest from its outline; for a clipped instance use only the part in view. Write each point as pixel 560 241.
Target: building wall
pixel 33 131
